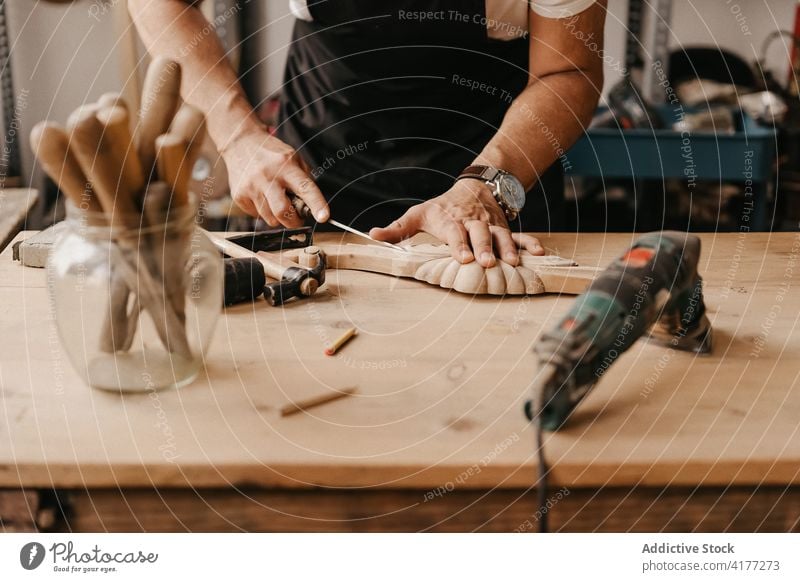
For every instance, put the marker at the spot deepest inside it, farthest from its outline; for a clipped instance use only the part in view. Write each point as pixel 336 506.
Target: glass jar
pixel 135 306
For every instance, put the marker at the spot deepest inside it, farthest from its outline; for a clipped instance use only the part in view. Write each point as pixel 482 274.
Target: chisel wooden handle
pixel 117 134
pixel 156 203
pixel 160 99
pixel 100 165
pixel 50 144
pixel 102 144
pixel 189 124
pixel 112 100
pixel 81 112
pixel 169 247
pixel 174 166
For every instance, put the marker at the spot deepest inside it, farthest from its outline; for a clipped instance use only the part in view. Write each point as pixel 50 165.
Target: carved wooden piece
pixel 433 264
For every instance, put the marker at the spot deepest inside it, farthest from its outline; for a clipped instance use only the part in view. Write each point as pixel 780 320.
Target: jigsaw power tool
pixel 654 282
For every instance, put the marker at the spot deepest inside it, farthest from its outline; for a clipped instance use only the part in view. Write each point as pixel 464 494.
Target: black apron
pixel 378 102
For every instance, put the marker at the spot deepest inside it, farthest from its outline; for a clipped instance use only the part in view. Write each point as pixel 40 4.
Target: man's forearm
pixel 542 123
pixel 175 29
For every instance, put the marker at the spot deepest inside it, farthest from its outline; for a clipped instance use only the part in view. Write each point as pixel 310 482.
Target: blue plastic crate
pixel 664 153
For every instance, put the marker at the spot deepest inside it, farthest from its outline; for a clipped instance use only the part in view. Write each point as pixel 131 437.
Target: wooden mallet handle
pixel 273 267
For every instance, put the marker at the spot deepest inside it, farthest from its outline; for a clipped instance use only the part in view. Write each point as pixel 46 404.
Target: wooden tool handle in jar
pixel 50 144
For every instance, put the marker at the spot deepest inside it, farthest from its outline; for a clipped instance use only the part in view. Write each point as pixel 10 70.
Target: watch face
pixel 512 192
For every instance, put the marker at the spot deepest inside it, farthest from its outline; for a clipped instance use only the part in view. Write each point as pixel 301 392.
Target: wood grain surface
pixel 441 381
pixel 640 509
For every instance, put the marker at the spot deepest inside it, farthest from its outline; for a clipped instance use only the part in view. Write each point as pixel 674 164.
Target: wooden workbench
pixel 436 438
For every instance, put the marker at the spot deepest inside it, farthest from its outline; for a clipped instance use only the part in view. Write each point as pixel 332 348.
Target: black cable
pixel 541 477
pixel 771 37
pixel 542 470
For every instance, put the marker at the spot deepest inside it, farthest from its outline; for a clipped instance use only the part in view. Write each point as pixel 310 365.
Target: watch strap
pixel 485 173
pixel 488 175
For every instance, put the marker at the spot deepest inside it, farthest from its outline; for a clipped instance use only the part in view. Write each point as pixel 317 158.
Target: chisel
pixel 304 212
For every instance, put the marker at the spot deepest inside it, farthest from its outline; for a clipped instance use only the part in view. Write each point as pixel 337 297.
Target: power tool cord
pixel 541 478
pixel 542 470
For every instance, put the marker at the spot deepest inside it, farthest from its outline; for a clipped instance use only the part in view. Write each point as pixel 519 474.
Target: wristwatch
pixel 508 191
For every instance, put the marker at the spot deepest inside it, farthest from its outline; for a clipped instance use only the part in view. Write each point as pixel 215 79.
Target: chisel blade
pixel 352 230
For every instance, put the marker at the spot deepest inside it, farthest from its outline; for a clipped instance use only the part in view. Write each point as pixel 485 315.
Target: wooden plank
pixel 441 381
pixel 738 509
pixel 12 273
pixel 15 203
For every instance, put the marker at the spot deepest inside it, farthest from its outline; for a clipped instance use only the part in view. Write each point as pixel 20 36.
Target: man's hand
pixel 469 219
pixel 263 170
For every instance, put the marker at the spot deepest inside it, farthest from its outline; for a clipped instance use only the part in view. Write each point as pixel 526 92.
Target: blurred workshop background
pixel 702 133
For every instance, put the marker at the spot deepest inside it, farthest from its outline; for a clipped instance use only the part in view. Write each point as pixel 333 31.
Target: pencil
pixel 334 347
pixel 295 407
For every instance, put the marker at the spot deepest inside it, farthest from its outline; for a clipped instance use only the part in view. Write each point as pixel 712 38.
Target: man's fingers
pixel 404 227
pixel 246 204
pixel 456 236
pixel 504 245
pixel 283 210
pixel 528 242
pixel 481 238
pixel 264 211
pixel 301 184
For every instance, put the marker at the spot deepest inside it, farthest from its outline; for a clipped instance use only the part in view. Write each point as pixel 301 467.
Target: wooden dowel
pixel 301 405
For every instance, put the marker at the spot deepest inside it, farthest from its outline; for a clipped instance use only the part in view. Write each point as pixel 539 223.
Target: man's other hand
pixel 469 220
